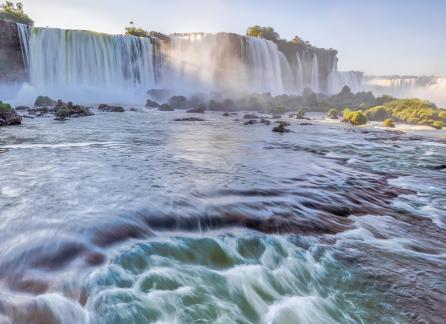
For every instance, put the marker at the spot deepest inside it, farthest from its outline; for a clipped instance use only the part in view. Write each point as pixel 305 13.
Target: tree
pixel 263 32
pixel 15 12
pixel 134 31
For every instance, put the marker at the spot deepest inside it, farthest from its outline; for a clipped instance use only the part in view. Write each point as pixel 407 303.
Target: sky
pixel 380 37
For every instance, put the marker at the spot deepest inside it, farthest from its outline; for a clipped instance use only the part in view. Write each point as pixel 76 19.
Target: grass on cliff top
pixel 14 12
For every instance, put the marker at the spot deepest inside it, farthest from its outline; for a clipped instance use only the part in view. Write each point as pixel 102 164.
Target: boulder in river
pixel 197 110
pixel 44 101
pixel 152 104
pixel 250 122
pixel 8 116
pixel 104 107
pixel 64 111
pixel 250 116
pixel 226 114
pixel 165 107
pixel 265 121
pixel 281 128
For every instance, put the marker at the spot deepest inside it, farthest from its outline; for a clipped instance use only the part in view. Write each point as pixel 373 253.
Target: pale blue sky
pixel 378 37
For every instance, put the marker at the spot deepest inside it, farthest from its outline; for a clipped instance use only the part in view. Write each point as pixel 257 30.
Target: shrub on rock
pixel 333 113
pixel 389 123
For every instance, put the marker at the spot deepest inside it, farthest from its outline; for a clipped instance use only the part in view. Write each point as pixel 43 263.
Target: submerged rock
pixel 265 121
pixel 191 119
pixel 197 110
pixel 44 101
pixel 165 107
pixel 250 116
pixel 250 122
pixel 105 107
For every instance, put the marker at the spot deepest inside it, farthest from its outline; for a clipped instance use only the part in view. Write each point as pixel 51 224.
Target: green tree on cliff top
pixel 134 31
pixel 15 12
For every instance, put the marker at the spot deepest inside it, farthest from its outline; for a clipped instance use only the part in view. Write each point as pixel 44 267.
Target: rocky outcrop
pixel 12 68
pixel 10 118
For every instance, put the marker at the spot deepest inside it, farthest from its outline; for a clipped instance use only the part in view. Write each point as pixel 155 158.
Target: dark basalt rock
pixel 19 108
pixel 44 101
pixel 281 128
pixel 226 114
pixel 250 122
pixel 191 119
pixel 265 121
pixel 12 69
pixel 11 117
pixel 250 116
pixel 64 111
pixel 165 107
pixel 152 104
pixel 105 107
pixel 197 110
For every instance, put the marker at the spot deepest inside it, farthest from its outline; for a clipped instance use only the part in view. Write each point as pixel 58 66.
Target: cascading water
pixel 86 66
pixel 89 67
pixel 315 74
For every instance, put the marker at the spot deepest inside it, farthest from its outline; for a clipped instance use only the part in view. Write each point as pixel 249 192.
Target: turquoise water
pixel 135 218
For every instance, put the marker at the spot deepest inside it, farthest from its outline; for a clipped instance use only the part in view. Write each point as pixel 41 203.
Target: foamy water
pixel 134 218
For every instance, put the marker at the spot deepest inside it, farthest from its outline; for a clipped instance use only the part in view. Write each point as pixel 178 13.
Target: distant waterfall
pixel 425 87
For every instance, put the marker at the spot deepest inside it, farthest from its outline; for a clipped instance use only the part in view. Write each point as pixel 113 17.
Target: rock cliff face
pixel 12 68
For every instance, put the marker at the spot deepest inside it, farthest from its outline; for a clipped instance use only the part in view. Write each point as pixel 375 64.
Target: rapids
pixel 136 218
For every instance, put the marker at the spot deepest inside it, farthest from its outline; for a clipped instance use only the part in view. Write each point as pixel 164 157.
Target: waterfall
pixel 90 67
pixel 24 43
pixel 315 74
pixel 87 66
pixel 425 87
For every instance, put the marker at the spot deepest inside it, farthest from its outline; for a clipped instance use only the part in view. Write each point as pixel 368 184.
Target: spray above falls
pixel 91 67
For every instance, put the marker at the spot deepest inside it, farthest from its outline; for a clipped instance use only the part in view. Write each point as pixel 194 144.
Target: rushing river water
pixel 135 218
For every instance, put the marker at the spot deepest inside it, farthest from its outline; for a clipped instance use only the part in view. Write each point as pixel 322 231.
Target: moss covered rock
pixel 389 123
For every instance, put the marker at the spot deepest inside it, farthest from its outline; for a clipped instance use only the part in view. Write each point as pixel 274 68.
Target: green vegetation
pixel 333 113
pixel 263 32
pixel 354 117
pixel 134 31
pixel 4 107
pixel 300 114
pixel 389 123
pixel 438 124
pixel 410 111
pixel 15 12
